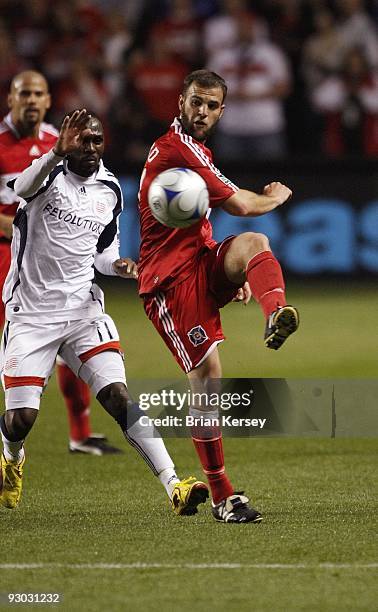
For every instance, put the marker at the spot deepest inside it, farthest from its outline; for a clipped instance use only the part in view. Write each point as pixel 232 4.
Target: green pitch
pixel 81 515
pixel 336 337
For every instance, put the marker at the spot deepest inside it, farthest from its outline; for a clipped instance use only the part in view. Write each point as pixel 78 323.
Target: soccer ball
pixel 178 197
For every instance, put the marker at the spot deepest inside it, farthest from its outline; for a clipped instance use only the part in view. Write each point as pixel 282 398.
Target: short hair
pixel 205 78
pixel 92 116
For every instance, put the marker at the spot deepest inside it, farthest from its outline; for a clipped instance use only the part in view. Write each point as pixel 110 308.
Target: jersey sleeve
pixel 189 154
pixel 37 178
pixel 7 195
pixel 111 232
pixel 104 261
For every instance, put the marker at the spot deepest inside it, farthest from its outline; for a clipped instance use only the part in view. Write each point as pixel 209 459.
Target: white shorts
pixel 28 352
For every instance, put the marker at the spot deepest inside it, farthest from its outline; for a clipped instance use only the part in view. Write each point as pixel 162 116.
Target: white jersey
pixel 61 232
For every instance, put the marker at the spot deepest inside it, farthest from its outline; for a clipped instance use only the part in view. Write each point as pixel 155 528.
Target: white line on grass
pixel 147 566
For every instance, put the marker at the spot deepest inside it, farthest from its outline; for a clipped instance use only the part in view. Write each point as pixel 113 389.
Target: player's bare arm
pixel 246 203
pixel 6 224
pixel 125 267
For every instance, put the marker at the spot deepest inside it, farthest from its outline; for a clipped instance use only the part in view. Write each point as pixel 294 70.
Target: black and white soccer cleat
pixel 235 509
pixel 96 444
pixel 281 324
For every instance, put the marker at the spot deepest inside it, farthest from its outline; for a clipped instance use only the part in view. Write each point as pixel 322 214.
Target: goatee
pixel 189 129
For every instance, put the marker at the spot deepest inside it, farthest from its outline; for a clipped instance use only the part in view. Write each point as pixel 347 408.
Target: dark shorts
pixel 187 315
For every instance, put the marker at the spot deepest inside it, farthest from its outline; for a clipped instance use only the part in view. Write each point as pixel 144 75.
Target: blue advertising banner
pixel 330 227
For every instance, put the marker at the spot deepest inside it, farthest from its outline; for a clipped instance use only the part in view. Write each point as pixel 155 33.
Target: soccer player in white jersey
pixel 24 136
pixel 66 225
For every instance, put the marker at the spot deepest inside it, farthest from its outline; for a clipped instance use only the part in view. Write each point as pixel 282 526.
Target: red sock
pixel 209 447
pixel 77 398
pixel 265 278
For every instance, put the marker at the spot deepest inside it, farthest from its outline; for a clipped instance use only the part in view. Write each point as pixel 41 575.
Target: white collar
pixel 8 121
pixel 100 174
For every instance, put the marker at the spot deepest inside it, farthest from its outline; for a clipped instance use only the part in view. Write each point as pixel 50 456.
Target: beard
pixel 190 128
pixel 31 119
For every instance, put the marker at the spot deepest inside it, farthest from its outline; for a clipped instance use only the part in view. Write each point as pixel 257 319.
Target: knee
pixel 212 371
pixel 114 398
pixel 243 248
pixel 19 422
pixel 119 396
pixel 256 243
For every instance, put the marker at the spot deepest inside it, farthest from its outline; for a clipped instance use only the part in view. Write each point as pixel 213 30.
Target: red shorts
pixel 5 260
pixel 187 315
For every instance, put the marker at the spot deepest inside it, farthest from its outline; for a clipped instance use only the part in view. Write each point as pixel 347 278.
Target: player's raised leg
pixel 249 258
pixel 227 505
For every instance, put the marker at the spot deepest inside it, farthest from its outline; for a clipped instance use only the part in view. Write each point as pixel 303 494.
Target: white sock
pixel 146 439
pixel 13 451
pixel 168 479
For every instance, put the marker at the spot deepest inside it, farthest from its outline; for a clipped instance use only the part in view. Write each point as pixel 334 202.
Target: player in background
pixel 185 277
pixel 70 210
pixel 25 136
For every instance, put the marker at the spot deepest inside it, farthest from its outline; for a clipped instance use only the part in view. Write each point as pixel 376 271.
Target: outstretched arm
pixel 71 132
pixel 32 178
pixel 110 263
pixel 126 267
pixel 245 203
pixel 122 266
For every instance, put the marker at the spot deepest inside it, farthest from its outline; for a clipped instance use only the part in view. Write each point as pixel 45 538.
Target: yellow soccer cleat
pixel 281 324
pixel 11 482
pixel 187 495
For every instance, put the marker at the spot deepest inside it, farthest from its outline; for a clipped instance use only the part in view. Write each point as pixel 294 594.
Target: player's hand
pixel 278 191
pixel 71 132
pixel 126 267
pixel 244 294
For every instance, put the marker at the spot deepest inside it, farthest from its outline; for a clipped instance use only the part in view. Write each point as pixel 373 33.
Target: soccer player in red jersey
pixel 25 136
pixel 185 277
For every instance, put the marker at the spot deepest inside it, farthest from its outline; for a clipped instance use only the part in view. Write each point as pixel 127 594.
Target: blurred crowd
pixel 302 74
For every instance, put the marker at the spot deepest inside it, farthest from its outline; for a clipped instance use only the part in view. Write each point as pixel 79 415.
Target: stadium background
pixel 80 516
pixel 125 61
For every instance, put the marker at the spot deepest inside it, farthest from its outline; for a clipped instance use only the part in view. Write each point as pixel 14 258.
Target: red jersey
pixel 168 255
pixel 16 154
